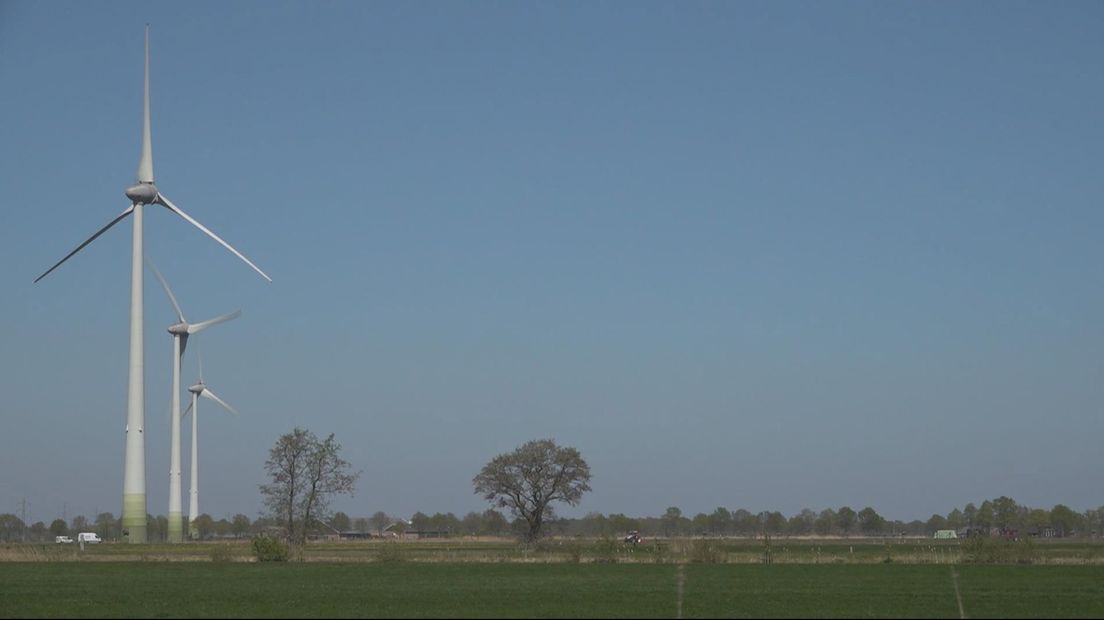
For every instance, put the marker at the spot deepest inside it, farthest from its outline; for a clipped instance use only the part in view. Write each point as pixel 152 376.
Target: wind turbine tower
pixel 180 332
pixel 197 390
pixel 141 194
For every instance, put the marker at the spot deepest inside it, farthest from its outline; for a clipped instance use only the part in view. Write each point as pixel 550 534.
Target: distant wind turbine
pixel 143 193
pixel 197 390
pixel 180 332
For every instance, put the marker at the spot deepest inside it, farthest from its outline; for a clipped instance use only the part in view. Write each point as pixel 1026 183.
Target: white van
pixel 88 537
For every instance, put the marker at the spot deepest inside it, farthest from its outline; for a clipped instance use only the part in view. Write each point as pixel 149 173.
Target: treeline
pixel 109 527
pixel 1000 515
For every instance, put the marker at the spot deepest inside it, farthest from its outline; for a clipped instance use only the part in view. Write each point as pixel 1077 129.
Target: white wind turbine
pixel 197 390
pixel 180 332
pixel 143 193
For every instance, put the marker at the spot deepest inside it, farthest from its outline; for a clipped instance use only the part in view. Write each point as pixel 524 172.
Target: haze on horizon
pixel 754 255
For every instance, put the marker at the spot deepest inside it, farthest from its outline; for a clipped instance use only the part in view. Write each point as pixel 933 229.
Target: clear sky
pixel 756 255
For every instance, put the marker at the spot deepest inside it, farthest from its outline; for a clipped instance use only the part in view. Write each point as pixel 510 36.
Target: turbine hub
pixel 180 329
pixel 197 388
pixel 142 193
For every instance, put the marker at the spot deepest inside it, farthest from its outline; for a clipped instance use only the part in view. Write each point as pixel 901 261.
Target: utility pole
pixel 24 517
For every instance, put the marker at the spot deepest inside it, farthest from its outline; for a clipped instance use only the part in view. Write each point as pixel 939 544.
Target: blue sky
pixel 753 255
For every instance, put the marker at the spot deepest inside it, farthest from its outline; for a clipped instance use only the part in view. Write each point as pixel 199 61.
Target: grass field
pixel 533 590
pixel 723 551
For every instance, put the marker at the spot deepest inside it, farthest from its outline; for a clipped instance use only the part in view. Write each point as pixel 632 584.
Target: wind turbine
pixel 180 332
pixel 197 390
pixel 141 194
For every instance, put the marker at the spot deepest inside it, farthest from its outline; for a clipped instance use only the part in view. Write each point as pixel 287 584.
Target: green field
pixel 529 590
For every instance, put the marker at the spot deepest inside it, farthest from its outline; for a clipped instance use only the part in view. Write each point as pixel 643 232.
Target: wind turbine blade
pixel 186 411
pixel 198 327
pixel 199 358
pixel 183 343
pixel 90 240
pixel 165 202
pixel 145 163
pixel 209 394
pixel 168 291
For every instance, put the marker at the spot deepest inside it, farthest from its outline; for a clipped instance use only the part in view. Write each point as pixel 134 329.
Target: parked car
pixel 88 537
pixel 62 540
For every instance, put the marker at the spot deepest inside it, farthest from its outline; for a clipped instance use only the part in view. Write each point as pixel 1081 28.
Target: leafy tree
pixel 305 473
pixel 38 531
pixel 700 524
pixel 846 518
pixel 955 519
pixel 720 522
pixel 494 523
pixel 936 523
pixel 774 522
pixel 671 519
pixel 531 478
pixel 240 525
pixel 204 526
pixel 420 522
pixel 825 522
pixel 11 527
pixel 870 522
pixel 59 528
pixel 984 516
pixel 801 523
pixel 1065 520
pixel 1005 512
pixel 746 523
pixel 970 513
pixel 621 524
pixel 341 522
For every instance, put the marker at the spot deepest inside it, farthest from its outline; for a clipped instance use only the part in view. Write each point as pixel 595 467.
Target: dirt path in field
pixel 958 596
pixel 680 581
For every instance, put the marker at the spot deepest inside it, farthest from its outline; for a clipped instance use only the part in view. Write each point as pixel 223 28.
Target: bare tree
pixel 306 474
pixel 530 478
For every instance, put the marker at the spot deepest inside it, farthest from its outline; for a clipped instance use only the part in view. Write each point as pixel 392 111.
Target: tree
pixel 936 522
pixel 846 519
pixel 379 521
pixel 773 522
pixel 11 527
pixel 341 522
pixel 671 520
pixel 306 474
pixel 531 478
pixel 870 522
pixel 59 528
pixel 1064 520
pixel 106 525
pixel 825 521
pixel 1005 512
pixel 494 523
pixel 720 522
pixel 80 524
pixel 204 526
pixel 240 525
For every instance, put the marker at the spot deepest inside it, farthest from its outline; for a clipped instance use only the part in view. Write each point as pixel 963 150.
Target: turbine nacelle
pixel 180 329
pixel 142 193
pixel 197 388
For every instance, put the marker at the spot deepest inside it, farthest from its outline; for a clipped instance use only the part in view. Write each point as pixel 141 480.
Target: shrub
pixel 704 551
pixel 221 553
pixel 607 550
pixel 391 552
pixel 268 549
